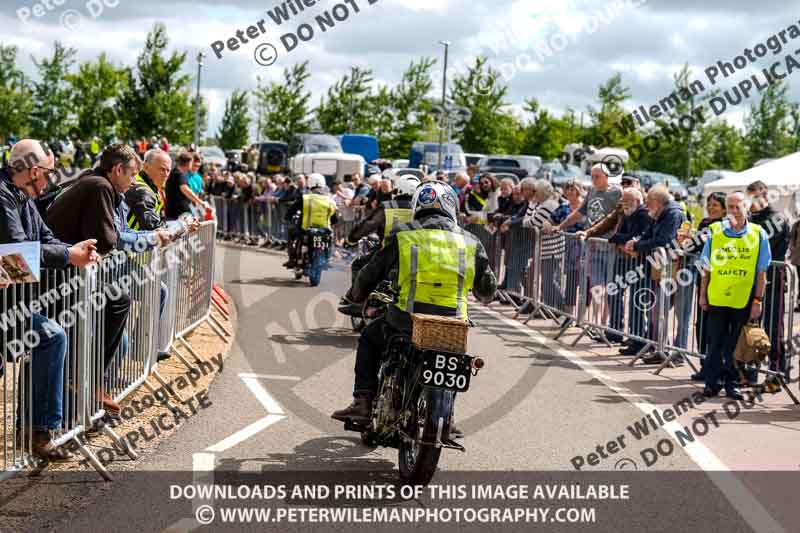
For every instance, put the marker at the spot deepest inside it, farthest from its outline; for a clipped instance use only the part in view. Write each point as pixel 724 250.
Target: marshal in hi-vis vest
pixel 437 267
pixel 317 211
pixel 133 222
pixel 733 266
pixel 395 215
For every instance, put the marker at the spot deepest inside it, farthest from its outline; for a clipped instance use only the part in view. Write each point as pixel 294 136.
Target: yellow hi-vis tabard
pixel 733 266
pixel 395 215
pixel 133 222
pixel 437 267
pixel 317 211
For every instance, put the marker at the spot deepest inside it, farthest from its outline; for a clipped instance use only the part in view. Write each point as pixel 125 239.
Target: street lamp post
pixel 200 57
pixel 445 115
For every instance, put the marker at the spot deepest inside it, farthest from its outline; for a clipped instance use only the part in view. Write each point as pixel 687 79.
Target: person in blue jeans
pixel 24 178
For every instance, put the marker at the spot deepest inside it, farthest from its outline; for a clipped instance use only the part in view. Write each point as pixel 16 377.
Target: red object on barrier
pixel 209 214
pixel 219 292
pixel 220 306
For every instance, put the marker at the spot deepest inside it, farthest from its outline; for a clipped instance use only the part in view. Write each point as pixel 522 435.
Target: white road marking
pixel 271 376
pixel 274 414
pixel 740 497
pixel 203 465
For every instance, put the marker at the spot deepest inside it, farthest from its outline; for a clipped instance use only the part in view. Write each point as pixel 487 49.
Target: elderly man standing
pixel 23 180
pixel 732 289
pixel 600 201
pixel 146 198
pixel 667 218
pixel 635 222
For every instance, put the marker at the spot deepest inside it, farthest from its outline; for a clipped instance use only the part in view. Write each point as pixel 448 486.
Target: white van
pixel 334 166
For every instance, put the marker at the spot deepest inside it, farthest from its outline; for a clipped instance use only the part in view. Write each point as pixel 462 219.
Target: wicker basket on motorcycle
pixel 432 332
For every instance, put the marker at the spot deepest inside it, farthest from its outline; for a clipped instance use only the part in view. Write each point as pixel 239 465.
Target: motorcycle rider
pixel 432 263
pixel 316 210
pixel 389 214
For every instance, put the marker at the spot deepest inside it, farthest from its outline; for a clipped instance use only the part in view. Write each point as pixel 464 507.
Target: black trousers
pixel 371 346
pixel 294 234
pixel 722 333
pixel 116 315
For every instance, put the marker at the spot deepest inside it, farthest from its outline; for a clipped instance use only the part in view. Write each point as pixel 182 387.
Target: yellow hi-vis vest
pixel 317 211
pixel 437 267
pixel 733 266
pixel 395 215
pixel 133 222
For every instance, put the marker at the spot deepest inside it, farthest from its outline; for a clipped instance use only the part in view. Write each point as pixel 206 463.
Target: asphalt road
pixel 536 407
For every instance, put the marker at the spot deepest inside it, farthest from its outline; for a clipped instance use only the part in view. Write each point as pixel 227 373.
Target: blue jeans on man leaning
pixel 47 373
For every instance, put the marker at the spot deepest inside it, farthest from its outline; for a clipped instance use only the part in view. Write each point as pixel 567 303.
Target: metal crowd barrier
pixel 650 301
pixel 16 385
pixel 263 223
pixel 687 325
pixel 75 299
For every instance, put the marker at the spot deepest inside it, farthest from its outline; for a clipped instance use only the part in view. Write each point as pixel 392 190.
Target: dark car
pixel 502 165
pixel 235 160
pixel 273 158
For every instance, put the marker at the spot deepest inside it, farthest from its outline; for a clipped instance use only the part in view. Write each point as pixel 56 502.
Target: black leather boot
pixel 359 411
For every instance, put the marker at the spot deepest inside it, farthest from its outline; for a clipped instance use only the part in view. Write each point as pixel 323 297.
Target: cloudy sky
pixel 588 41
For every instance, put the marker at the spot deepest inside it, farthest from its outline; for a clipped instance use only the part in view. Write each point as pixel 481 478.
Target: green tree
pixel 53 105
pixel 158 100
pixel 347 108
pixel 16 100
pixel 767 125
pixel 546 135
pixel 604 129
pixel 96 89
pixel 491 128
pixel 233 131
pixel 283 107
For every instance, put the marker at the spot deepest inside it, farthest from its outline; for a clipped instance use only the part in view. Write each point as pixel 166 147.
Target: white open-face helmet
pixel 435 197
pixel 406 185
pixel 315 180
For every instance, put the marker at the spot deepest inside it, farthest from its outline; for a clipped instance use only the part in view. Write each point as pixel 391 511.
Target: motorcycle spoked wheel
pixel 418 459
pixel 318 263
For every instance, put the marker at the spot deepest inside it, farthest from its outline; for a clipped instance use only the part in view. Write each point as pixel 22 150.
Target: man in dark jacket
pixel 635 222
pixel 777 228
pixel 420 260
pixel 24 179
pixel 90 207
pixel 667 218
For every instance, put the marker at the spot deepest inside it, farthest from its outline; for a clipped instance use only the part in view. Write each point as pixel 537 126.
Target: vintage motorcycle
pixel 313 254
pixel 413 409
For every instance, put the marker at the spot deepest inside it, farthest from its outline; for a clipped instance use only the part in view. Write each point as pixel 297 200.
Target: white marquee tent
pixel 782 176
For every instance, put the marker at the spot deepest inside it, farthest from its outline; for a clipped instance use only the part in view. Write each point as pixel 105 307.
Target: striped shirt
pixel 535 217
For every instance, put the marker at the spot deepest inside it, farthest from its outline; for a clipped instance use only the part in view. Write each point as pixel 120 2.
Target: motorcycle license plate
pixel 320 243
pixel 446 371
